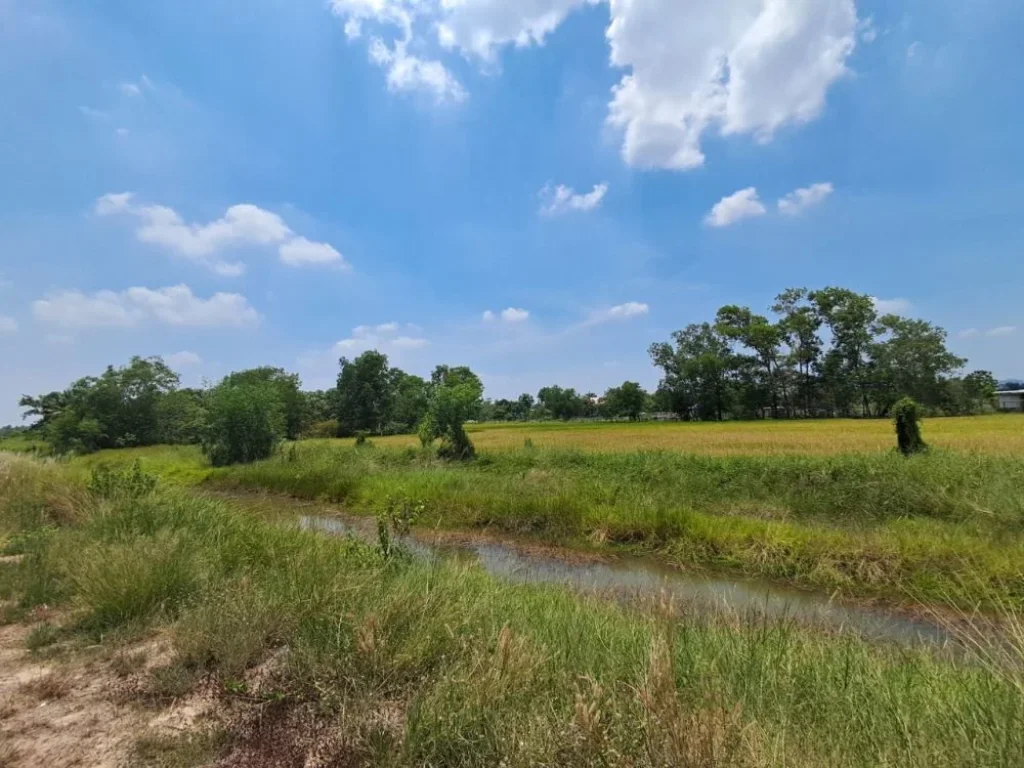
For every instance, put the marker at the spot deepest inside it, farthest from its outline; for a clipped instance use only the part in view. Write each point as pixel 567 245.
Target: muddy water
pixel 636 577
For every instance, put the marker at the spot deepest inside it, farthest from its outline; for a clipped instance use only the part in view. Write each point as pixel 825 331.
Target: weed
pixel 42 636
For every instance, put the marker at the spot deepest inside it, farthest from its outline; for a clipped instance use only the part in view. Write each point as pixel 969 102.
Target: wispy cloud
pixel 799 200
pixel 562 199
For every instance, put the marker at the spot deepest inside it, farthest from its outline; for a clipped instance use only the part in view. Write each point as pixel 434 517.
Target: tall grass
pixel 935 525
pixel 433 663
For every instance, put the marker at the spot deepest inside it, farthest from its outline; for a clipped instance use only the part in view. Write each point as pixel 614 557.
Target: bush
pixel 245 424
pixel 130 483
pixel 908 427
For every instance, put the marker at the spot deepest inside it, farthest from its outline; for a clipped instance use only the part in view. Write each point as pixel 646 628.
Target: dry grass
pixel 1002 433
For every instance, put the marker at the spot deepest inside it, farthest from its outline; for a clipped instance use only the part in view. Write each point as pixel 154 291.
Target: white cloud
pixel 732 66
pixel 619 312
pixel 405 71
pixel 892 306
pixel 510 316
pixel 175 306
pixel 299 251
pixel 383 337
pixel 967 333
pixel 867 29
pixel 744 204
pixel 8 325
pixel 243 224
pixel 122 132
pixel 742 66
pixel 1002 330
pixel 480 27
pixel 182 359
pixel 130 89
pixel 914 51
pixel 411 73
pixel 562 199
pixel 799 200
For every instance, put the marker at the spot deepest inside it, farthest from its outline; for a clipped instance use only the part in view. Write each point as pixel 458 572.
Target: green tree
pixel 850 317
pixel 410 401
pixel 364 394
pixel 979 389
pixel 909 359
pixel 697 365
pixel 626 400
pixel 455 397
pixel 288 390
pixel 181 417
pixel 800 325
pixel 246 422
pixel 763 338
pixel 561 403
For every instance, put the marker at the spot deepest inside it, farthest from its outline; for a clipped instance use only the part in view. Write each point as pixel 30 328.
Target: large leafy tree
pixel 627 400
pixel 763 338
pixel 455 398
pixel 561 403
pixel 364 395
pixel 287 389
pixel 850 318
pixel 908 358
pixel 696 369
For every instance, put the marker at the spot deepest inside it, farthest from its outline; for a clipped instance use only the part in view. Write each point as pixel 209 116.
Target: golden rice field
pixel 1000 433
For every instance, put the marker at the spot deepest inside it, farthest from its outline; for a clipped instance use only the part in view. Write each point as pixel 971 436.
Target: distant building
pixel 1012 400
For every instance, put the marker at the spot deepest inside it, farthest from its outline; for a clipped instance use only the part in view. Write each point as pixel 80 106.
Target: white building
pixel 1011 401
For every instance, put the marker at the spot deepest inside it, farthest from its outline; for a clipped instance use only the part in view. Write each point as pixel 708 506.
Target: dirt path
pixel 76 709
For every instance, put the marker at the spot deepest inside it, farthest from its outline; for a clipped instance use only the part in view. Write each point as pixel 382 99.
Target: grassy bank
pixel 940 526
pixel 399 662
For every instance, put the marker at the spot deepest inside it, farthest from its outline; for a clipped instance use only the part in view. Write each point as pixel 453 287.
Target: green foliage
pixel 245 423
pixel 291 403
pixel 626 401
pixel 561 403
pixel 181 417
pixel 455 397
pixel 907 418
pixel 365 395
pixel 473 671
pixel 129 483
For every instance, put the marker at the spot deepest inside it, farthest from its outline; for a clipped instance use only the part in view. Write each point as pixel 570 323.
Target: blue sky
pixel 241 182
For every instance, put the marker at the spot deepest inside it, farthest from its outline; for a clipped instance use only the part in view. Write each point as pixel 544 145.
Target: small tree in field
pixel 454 399
pixel 245 423
pixel 908 428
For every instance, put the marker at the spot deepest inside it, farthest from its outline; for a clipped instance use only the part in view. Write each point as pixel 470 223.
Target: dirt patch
pixel 71 709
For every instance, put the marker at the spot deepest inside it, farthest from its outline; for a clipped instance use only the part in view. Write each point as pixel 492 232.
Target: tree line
pixel 820 354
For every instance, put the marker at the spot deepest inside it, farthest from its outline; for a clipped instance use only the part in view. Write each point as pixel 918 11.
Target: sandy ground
pixel 73 709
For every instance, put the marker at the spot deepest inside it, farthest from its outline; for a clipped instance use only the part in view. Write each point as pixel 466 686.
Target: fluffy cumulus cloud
pixel 240 225
pixel 174 306
pixel 8 325
pixel 510 316
pixel 744 204
pixel 385 336
pixel 892 306
pixel 562 199
pixel 393 24
pixel 689 66
pixel 738 66
pixel 182 359
pixel 799 200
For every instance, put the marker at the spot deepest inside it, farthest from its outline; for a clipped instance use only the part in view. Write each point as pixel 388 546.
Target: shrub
pixel 908 427
pixel 129 483
pixel 245 424
pixel 322 429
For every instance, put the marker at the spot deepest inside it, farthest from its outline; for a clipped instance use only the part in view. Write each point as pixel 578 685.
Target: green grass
pixel 415 663
pixel 939 526
pixel 23 444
